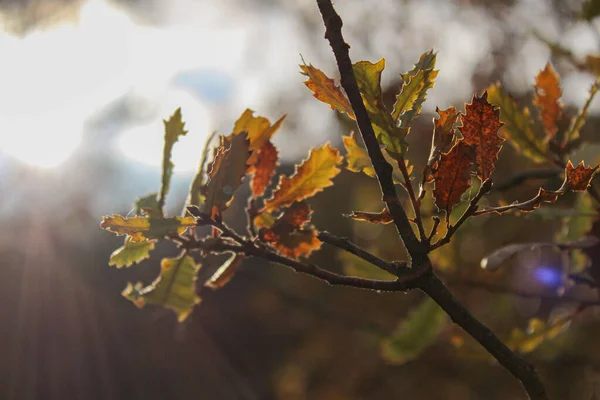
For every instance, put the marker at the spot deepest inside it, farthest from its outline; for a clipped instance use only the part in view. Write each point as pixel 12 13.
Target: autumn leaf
pixel 414 89
pixel 578 121
pixel 383 217
pixel 258 129
pixel 311 177
pixel 415 333
pixel 131 253
pixel 479 128
pixel 264 169
pixel 174 127
pixel 226 172
pixel 225 272
pixel 289 233
pixel 139 229
pixel 358 160
pixel 325 90
pixel 175 287
pixel 368 78
pixel 517 126
pixel 577 179
pixel 453 176
pixel 538 331
pixel 443 134
pixel 547 95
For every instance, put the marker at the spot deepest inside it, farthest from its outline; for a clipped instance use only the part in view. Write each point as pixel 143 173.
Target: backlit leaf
pixel 264 169
pixel 383 217
pixel 453 176
pixel 415 334
pixel 443 133
pixel 414 89
pixel 537 332
pixel 226 272
pixel 174 127
pixel 517 126
pixel 175 287
pixel 139 229
pixel 368 78
pixel 131 253
pixel 577 179
pixel 259 129
pixel 289 233
pixel 148 205
pixel 311 177
pixel 326 90
pixel 358 160
pixel 547 95
pixel 479 128
pixel 225 174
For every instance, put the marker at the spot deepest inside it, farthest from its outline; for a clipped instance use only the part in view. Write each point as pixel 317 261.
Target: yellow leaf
pixel 311 177
pixel 131 253
pixel 259 129
pixel 326 90
pixel 141 228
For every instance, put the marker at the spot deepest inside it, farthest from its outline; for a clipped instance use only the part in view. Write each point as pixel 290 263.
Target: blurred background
pixel 84 86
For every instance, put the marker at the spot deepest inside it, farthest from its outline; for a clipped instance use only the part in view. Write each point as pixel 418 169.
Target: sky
pixel 214 59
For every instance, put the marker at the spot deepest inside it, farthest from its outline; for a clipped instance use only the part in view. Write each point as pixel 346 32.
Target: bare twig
pixel 483 189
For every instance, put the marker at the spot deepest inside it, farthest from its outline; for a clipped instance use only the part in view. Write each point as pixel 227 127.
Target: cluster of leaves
pixel 464 150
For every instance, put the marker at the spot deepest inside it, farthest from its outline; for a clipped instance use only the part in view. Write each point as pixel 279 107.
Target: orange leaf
pixel 288 233
pixel 453 176
pixel 382 217
pixel 547 93
pixel 264 169
pixel 479 128
pixel 226 272
pixel 326 90
pixel 311 177
pixel 443 133
pixel 577 178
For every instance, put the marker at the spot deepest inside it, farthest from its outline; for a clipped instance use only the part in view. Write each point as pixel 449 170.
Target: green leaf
pixel 174 127
pixel 415 334
pixel 368 78
pixel 174 288
pixel 225 174
pixel 517 125
pixel 139 229
pixel 358 160
pixel 131 253
pixel 148 205
pixel 414 89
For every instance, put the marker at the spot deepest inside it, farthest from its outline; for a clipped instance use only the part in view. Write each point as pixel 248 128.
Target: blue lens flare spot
pixel 548 276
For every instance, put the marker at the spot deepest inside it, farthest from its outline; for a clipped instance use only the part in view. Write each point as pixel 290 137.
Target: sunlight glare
pixel 144 143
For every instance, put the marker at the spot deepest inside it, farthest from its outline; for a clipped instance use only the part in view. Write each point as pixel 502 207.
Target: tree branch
pixel 518 179
pixel 383 170
pixel 520 368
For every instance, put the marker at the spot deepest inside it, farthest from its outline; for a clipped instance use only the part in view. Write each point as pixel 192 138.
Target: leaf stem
pixel 416 203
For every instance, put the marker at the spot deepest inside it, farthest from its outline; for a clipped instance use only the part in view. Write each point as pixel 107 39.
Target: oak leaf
pixel 175 287
pixel 258 129
pixel 578 178
pixel 383 217
pixel 226 272
pixel 547 95
pixel 226 172
pixel 174 127
pixel 358 160
pixel 479 128
pixel 443 134
pixel 131 253
pixel 517 126
pixel 263 170
pixel 311 177
pixel 139 229
pixel 368 78
pixel 453 176
pixel 325 90
pixel 414 89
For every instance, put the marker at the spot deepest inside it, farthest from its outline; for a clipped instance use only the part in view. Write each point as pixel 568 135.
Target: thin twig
pixel 483 189
pixel 519 178
pixel 416 203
